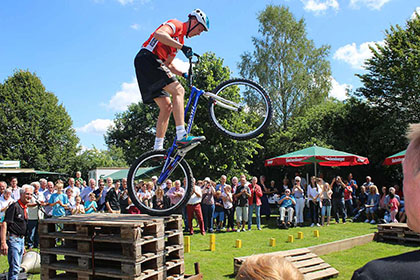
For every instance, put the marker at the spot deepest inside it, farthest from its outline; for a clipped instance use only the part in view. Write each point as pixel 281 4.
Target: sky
pixel 83 50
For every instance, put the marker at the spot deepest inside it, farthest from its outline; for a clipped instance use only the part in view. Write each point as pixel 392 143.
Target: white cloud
pixel 128 94
pixel 181 65
pixel 135 26
pixel 339 91
pixel 355 56
pixel 413 16
pixel 98 126
pixel 319 6
pixel 372 4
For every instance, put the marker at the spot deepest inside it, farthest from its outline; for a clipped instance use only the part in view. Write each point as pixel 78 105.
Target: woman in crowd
pixel 313 192
pixel 160 200
pixel 326 203
pixel 265 207
pixel 228 206
pixel 207 204
pixel 382 203
pixel 299 194
pixel 372 204
pixel 219 211
pixel 5 201
pixel 348 199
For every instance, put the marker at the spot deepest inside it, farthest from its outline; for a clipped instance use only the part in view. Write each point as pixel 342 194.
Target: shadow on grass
pixel 231 276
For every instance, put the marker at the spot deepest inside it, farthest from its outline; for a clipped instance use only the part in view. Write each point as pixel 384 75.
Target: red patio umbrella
pixel 395 159
pixel 317 155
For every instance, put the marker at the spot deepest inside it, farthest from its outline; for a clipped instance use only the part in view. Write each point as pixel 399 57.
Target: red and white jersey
pixel 161 50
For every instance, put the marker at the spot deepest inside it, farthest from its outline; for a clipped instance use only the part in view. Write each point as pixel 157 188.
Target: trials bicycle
pixel 239 108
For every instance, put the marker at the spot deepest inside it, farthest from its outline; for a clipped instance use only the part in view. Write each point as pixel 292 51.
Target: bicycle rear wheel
pixel 151 164
pixel 249 117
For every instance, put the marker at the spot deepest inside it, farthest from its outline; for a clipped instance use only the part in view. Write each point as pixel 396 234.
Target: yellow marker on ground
pixel 187 244
pixel 238 243
pixel 290 239
pixel 316 233
pixel 272 242
pixel 212 242
pixel 300 235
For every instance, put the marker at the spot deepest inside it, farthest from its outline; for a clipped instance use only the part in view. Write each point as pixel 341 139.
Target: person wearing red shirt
pixel 254 202
pixel 155 73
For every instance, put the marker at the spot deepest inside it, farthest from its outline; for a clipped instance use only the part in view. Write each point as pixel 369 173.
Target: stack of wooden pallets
pixel 109 246
pixel 397 232
pixel 311 266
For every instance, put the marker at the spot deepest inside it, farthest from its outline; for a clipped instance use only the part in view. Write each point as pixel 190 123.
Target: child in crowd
pixel 71 201
pixel 91 205
pixel 393 205
pixel 78 206
pixel 58 201
pixel 219 212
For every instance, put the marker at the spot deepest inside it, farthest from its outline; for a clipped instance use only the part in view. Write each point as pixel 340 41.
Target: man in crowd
pixel 194 207
pixel 47 194
pixel 86 191
pixel 286 203
pixel 100 194
pixel 43 183
pixel 34 215
pixel 241 195
pixel 112 202
pixel 15 223
pixel 15 188
pixel 123 194
pixel 404 266
pixel 76 190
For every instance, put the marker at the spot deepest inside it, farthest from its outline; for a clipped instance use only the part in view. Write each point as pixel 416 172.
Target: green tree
pixel 295 73
pixel 392 81
pixel 93 158
pixel 134 129
pixel 34 128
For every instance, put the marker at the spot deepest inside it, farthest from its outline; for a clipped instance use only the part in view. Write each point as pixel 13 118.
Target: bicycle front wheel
pixel 241 109
pixel 152 198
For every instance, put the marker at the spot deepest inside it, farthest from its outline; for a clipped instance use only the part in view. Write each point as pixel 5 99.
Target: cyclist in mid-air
pixel 155 73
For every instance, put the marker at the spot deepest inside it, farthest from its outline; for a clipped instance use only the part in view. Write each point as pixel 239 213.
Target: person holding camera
pixel 338 204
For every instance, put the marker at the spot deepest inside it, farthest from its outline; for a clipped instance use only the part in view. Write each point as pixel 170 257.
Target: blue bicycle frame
pixel 170 165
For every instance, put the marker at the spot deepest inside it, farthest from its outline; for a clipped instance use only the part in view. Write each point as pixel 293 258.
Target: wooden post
pixel 300 235
pixel 272 242
pixel 290 239
pixel 238 243
pixel 187 244
pixel 316 233
pixel 212 242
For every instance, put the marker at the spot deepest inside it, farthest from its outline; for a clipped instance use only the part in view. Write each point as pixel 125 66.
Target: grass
pixel 219 264
pixel 346 262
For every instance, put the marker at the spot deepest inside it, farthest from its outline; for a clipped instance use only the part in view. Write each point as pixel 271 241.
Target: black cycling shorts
pixel 152 76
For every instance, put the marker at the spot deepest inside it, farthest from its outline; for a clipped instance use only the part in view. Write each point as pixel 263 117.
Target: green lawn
pixel 219 264
pixel 349 260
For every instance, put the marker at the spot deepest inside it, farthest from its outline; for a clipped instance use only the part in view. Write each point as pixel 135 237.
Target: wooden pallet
pixel 311 266
pixel 399 232
pixel 109 246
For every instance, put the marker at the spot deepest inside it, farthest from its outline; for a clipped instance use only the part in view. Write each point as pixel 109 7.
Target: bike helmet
pixel 201 17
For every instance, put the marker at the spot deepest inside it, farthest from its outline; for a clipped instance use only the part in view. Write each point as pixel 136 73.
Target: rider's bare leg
pixel 165 109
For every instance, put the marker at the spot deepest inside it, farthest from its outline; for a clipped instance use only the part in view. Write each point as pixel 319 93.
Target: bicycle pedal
pixel 188 148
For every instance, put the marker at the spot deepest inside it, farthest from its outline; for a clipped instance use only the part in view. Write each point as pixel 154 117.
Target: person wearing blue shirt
pixel 58 201
pixel 91 206
pixel 287 203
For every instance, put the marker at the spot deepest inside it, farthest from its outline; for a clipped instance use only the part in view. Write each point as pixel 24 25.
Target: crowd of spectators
pixel 215 204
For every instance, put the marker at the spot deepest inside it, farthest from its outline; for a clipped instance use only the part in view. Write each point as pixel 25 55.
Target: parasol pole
pixel 315 168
